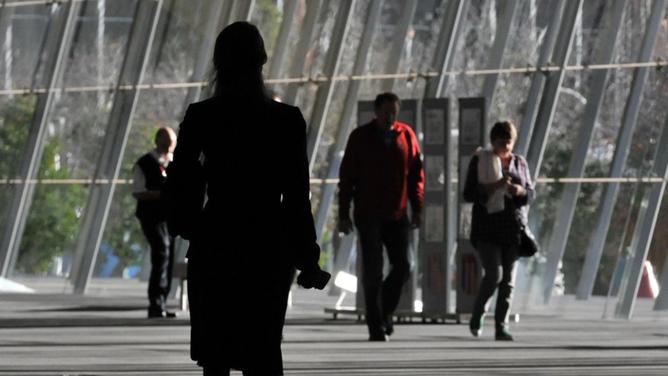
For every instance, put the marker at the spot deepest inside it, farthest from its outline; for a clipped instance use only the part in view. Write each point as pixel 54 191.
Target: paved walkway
pixel 55 334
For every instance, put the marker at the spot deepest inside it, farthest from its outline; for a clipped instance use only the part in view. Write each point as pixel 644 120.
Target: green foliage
pixel 267 17
pixel 53 222
pixel 15 121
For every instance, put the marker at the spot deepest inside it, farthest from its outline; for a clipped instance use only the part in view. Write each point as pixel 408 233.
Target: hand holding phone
pixel 313 279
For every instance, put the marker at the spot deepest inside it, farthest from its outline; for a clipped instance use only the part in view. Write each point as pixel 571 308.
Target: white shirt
pixel 139 179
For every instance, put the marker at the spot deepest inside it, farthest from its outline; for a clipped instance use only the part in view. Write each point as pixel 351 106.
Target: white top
pixel 490 171
pixel 139 179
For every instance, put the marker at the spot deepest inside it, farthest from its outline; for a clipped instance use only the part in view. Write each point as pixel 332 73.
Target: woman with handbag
pixel 499 185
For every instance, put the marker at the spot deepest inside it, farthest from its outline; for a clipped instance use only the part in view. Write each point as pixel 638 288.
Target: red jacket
pixel 381 172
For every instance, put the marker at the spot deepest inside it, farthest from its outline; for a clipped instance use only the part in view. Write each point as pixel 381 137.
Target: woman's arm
pixel 185 187
pixel 296 198
pixel 527 191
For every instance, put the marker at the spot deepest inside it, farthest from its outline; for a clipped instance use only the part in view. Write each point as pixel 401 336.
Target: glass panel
pixel 661 48
pixel 315 58
pixel 75 131
pixel 335 110
pixel 420 46
pixel 633 30
pixel 267 16
pixel 99 47
pixel 178 39
pixel 16 116
pixel 526 34
pixel 510 98
pixel 477 35
pixel 22 41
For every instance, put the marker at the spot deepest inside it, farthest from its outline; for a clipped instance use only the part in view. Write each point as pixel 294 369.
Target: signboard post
pixel 434 252
pixel 472 135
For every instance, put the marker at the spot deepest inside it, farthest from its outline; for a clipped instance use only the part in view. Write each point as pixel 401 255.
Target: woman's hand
pixel 504 182
pixel 517 190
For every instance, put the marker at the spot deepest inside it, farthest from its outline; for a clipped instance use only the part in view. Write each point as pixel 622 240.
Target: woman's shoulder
pixel 521 159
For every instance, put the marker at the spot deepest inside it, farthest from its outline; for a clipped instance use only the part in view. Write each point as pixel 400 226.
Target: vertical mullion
pixel 58 43
pixel 399 42
pixel 624 139
pixel 6 14
pixel 538 78
pixel 120 119
pixel 550 96
pixel 564 219
pixel 642 235
pixel 326 89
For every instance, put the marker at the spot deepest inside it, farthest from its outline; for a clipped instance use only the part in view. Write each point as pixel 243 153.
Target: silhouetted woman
pixel 498 183
pixel 256 226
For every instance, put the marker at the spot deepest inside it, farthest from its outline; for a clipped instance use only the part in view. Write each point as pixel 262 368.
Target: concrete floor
pixel 106 334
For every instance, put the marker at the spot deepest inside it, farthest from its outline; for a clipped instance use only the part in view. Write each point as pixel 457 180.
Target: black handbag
pixel 528 244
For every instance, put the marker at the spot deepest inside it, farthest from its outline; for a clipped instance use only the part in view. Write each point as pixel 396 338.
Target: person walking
pixel 150 175
pixel 381 172
pixel 248 154
pixel 499 185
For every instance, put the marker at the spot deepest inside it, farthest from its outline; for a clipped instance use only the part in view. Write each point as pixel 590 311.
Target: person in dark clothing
pixel 499 185
pixel 381 172
pixel 248 153
pixel 149 180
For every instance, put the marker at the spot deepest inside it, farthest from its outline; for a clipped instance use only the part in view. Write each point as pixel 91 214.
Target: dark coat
pixel 504 227
pixel 254 230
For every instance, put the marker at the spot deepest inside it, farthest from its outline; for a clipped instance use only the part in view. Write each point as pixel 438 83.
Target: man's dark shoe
pixel 161 315
pixel 389 325
pixel 475 325
pixel 503 335
pixel 379 337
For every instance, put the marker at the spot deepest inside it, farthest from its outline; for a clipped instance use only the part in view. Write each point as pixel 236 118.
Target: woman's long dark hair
pixel 238 59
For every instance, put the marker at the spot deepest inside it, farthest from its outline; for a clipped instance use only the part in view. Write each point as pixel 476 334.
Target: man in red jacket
pixel 381 172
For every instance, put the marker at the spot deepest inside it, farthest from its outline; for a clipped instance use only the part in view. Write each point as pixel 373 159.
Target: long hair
pixel 238 58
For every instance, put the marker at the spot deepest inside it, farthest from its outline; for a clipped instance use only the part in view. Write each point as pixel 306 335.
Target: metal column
pixel 644 229
pixel 538 79
pixel 6 14
pixel 445 48
pixel 326 89
pixel 564 219
pixel 280 49
pixel 397 49
pixel 303 46
pixel 346 121
pixel 548 104
pixel 58 43
pixel 609 197
pixel 661 303
pixel 496 56
pixel 95 217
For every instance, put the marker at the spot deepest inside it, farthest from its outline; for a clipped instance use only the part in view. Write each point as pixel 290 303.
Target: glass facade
pixel 61 67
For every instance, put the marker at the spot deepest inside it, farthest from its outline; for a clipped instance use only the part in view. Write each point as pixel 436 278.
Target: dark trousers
pixel 162 261
pixel 382 297
pixel 499 265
